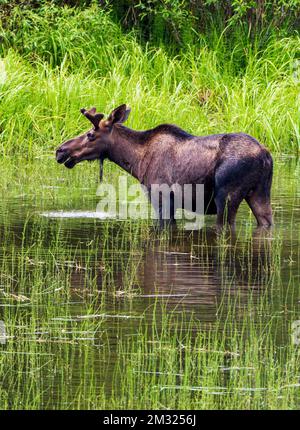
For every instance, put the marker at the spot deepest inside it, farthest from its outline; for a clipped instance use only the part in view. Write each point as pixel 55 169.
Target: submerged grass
pixel 70 344
pixel 108 314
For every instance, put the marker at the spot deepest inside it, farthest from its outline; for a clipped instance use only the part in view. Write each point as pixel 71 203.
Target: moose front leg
pixel 165 210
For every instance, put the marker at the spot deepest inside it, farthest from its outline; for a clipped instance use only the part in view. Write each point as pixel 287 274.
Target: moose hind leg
pixel 230 188
pixel 227 206
pixel 260 205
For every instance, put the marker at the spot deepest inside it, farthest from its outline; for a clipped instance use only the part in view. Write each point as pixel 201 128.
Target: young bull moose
pixel 232 166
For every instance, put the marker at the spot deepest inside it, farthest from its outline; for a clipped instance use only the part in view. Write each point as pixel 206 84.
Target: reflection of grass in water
pixel 170 363
pixel 72 344
pixel 197 367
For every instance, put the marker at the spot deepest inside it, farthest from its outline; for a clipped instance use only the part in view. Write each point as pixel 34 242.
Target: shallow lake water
pixel 102 279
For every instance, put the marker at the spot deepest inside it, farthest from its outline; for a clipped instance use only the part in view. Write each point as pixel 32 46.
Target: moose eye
pixel 91 136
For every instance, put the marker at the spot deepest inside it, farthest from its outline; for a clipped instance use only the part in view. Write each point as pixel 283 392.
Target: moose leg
pixel 172 209
pixel 259 202
pixel 165 219
pixel 227 206
pixel 229 190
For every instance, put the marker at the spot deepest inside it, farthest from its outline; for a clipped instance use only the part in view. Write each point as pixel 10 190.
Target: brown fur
pixel 232 166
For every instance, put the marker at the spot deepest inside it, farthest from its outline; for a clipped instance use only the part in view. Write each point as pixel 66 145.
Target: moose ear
pixel 119 115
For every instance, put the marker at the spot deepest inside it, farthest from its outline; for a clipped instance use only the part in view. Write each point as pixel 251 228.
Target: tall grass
pixel 56 60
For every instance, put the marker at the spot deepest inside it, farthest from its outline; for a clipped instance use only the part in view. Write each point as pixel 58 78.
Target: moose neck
pixel 126 149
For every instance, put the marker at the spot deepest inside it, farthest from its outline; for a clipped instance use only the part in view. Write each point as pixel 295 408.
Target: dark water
pixel 121 269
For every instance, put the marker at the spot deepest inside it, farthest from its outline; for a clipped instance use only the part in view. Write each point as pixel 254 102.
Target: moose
pixel 232 166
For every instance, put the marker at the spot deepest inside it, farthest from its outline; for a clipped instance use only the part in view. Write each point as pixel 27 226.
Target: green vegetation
pixel 56 60
pixel 109 314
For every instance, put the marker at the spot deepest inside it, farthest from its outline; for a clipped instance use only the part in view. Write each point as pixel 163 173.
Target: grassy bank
pixel 59 59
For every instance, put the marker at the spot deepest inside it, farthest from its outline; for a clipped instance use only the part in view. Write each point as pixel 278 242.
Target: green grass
pixel 62 59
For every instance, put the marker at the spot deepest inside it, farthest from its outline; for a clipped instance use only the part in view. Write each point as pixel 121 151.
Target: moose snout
pixel 62 155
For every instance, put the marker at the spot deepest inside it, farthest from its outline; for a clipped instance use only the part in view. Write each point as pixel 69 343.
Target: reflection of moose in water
pixel 194 269
pixel 232 167
pixel 199 269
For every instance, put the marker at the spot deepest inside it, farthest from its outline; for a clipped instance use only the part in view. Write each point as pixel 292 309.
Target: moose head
pixel 95 143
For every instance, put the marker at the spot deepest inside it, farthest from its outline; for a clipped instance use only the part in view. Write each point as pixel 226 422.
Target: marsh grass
pixel 71 349
pixel 80 334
